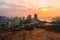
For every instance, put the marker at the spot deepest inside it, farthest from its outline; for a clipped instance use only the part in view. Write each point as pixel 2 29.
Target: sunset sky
pixel 21 8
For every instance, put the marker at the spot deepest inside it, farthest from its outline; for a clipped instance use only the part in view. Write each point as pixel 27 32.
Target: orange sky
pixel 25 7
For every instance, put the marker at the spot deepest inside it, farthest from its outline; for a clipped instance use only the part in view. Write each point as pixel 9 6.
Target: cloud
pixel 19 3
pixel 16 6
pixel 10 7
pixel 25 6
pixel 2 3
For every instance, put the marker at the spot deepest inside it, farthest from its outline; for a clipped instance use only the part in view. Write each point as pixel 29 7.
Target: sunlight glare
pixel 44 9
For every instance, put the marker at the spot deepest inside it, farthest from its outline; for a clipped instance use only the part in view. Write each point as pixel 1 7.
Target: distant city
pixel 22 26
pixel 23 22
pixel 13 21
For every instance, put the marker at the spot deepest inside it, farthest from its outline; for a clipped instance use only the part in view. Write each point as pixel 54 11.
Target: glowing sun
pixel 44 9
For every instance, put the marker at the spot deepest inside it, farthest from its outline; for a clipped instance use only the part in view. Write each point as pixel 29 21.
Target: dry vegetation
pixel 36 34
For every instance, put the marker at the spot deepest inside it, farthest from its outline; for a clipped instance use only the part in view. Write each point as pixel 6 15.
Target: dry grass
pixel 36 34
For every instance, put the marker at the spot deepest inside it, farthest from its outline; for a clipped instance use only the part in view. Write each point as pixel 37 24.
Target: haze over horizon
pixel 12 8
